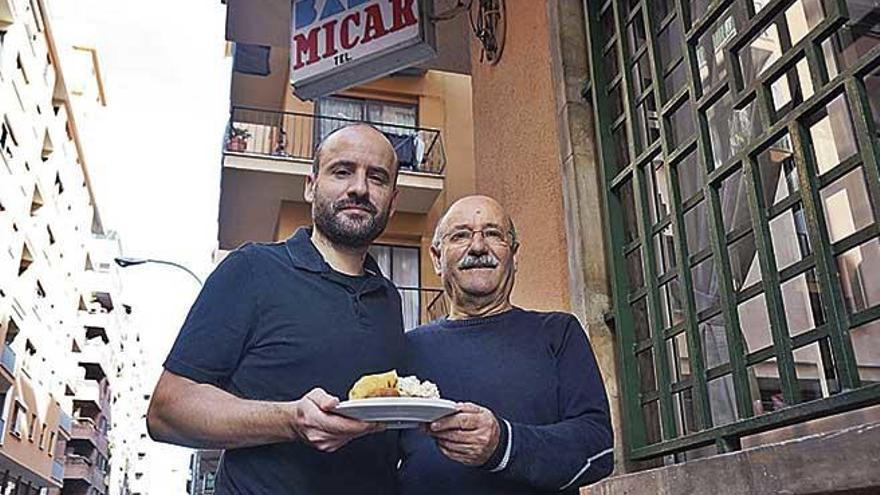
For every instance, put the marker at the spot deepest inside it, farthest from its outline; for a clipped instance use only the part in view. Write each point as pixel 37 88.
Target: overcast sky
pixel 154 157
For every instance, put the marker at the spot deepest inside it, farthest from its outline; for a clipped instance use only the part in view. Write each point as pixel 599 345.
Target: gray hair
pixel 438 235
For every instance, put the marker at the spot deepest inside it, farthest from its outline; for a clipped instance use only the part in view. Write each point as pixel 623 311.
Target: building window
pixel 19 419
pixel 743 208
pixel 356 109
pixel 401 265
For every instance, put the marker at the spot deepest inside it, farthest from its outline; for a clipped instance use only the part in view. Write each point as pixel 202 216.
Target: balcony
pixel 58 471
pixel 65 422
pixel 89 392
pixel 80 472
pixel 7 359
pixel 268 155
pixel 86 429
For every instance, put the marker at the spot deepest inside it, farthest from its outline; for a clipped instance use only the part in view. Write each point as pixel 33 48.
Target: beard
pixel 351 232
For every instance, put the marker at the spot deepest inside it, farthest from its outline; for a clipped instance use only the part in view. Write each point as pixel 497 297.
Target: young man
pixel 542 425
pixel 281 330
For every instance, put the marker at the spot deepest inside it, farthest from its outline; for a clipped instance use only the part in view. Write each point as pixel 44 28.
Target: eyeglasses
pixel 491 235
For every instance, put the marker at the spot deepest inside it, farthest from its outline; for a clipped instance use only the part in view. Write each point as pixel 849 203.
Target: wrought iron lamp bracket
pixel 488 20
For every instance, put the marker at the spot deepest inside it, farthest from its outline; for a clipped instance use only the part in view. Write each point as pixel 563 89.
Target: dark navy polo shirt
pixel 275 321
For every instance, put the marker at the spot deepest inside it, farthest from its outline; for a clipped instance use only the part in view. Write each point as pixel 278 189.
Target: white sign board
pixel 337 44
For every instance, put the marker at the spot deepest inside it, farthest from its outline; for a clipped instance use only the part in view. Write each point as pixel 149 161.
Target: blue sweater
pixel 537 373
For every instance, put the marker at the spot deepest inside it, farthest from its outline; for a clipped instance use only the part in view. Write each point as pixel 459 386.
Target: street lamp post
pixel 126 261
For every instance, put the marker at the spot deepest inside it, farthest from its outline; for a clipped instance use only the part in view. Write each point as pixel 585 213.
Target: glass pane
pixel 866 344
pixel 859 270
pixel 745 267
pixel 642 77
pixel 651 415
pixel 765 387
pixel 674 81
pixel 634 273
pixel 779 177
pixel 647 379
pixel 662 8
pixel 706 287
pixel 640 320
pixel 846 205
pixel 342 108
pixel 670 304
pixel 636 34
pixel 814 367
pixel 713 337
pixel 792 88
pixel 664 251
pixel 647 124
pixel 696 224
pixel 405 267
pixel 658 190
pixel 690 176
pixel 856 38
pixel 802 17
pixel 681 125
pixel 730 129
pixel 615 96
pixel 382 255
pixel 872 85
pixel 788 233
pixel 733 197
pixel 390 113
pixel 722 400
pixel 760 54
pixel 609 62
pixel 711 47
pixel 803 306
pixel 621 147
pixel 831 131
pixel 677 353
pixel 669 43
pixel 755 324
pixel 683 406
pixel 627 202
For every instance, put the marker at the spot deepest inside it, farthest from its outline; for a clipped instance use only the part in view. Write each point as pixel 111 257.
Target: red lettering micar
pixel 356 28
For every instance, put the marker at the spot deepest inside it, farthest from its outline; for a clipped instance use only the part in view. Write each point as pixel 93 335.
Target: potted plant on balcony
pixel 238 139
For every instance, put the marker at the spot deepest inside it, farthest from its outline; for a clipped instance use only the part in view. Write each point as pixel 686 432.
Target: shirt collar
pixel 304 255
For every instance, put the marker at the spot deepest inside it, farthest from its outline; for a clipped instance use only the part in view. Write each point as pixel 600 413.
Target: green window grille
pixel 740 156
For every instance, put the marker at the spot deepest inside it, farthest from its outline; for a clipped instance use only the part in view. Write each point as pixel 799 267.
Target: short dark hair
pixel 316 162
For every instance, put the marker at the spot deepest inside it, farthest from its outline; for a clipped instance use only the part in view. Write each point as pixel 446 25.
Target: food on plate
pixel 388 384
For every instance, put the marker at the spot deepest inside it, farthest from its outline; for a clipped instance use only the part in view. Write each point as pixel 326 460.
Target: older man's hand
pixel 315 424
pixel 470 436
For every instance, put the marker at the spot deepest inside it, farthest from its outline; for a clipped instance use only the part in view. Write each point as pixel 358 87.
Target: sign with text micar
pixel 336 44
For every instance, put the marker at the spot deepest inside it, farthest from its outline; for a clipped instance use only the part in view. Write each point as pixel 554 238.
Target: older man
pixel 533 416
pixel 281 330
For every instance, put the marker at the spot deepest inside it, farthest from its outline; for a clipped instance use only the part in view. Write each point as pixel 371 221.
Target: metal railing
pixel 421 305
pixel 294 136
pixel 7 359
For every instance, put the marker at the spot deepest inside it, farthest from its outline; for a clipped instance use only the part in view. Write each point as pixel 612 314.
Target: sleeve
pixel 577 450
pixel 212 339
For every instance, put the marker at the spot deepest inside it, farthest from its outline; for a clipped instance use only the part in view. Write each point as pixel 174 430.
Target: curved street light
pixel 127 261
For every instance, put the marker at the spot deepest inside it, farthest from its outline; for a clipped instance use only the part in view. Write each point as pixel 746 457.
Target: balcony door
pixel 401 265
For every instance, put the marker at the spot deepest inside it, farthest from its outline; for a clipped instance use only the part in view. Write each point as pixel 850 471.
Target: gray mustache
pixel 487 260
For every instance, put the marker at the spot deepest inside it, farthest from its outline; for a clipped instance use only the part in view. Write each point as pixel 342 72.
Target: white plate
pixel 397 412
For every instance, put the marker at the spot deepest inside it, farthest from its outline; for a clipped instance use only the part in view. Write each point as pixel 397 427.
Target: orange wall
pixel 21 449
pixel 516 143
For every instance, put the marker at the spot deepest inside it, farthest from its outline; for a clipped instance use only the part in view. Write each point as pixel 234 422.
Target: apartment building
pixel 61 319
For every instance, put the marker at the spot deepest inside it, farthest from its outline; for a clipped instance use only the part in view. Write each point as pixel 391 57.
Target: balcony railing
pixel 294 136
pixel 7 359
pixel 58 471
pixel 65 422
pixel 421 305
